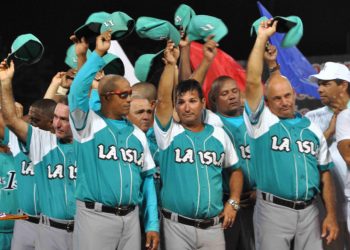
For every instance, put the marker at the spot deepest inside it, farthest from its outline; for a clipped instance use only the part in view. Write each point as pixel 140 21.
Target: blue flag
pixel 293 64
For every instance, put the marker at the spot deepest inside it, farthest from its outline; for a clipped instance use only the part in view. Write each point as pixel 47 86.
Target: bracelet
pixel 61 91
pixel 273 69
pixel 234 204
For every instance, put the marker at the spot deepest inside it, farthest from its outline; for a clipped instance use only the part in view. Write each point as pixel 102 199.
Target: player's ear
pixel 203 102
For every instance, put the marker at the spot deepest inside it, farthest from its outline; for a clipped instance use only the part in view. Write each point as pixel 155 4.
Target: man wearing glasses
pixel 116 166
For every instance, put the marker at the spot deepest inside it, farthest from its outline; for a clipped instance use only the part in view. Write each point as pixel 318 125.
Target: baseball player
pixel 114 163
pixel 293 161
pixel 225 99
pixel 343 139
pixel 8 195
pixel 192 157
pixel 55 169
pixel 26 232
pixel 333 81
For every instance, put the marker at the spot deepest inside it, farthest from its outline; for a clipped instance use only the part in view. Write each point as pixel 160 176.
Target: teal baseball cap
pixel 183 16
pixel 26 48
pixel 92 25
pixel 201 26
pixel 157 29
pixel 146 64
pixel 292 26
pixel 113 65
pixel 71 57
pixel 119 23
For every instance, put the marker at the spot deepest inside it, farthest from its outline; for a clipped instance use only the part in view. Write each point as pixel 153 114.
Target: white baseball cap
pixel 332 71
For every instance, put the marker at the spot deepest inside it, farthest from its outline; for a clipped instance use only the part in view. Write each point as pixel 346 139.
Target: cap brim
pixel 121 34
pixel 284 25
pixel 115 67
pixel 30 53
pixel 88 31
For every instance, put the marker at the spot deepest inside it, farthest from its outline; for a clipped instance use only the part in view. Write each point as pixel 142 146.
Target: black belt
pixel 33 219
pixel 297 205
pixel 121 210
pixel 69 226
pixel 199 223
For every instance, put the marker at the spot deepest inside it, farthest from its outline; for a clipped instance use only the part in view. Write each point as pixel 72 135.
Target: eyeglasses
pixel 122 95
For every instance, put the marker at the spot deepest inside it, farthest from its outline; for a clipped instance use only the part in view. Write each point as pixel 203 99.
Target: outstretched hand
pixel 267 28
pixel 330 229
pixel 171 53
pixel 103 43
pixel 209 48
pixel 152 240
pixel 6 73
pixel 81 45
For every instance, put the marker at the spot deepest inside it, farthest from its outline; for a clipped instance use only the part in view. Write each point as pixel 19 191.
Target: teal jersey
pixel 113 156
pixel 8 191
pixel 236 130
pixel 55 171
pixel 27 190
pixel 290 152
pixel 191 168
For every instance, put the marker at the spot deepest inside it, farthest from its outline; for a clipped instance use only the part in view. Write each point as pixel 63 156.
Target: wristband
pixel 61 91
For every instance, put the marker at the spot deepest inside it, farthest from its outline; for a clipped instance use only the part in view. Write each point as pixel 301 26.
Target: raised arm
pixel 79 91
pixel 164 109
pixel 209 53
pixel 254 89
pixel 15 124
pixel 185 70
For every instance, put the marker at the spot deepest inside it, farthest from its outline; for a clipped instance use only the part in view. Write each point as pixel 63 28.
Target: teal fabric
pixel 26 183
pixel 8 191
pixel 290 153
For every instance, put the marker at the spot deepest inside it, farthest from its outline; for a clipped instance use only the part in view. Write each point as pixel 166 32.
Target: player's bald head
pixel 109 83
pixel 144 90
pixel 275 82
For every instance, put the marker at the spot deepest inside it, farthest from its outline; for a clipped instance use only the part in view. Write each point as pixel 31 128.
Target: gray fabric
pixel 98 230
pixel 179 236
pixel 53 238
pixel 241 235
pixel 25 234
pixel 275 226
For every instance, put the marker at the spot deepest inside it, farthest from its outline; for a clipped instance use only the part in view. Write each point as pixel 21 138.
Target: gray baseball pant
pixel 25 235
pixel 275 226
pixel 53 238
pixel 96 230
pixel 180 236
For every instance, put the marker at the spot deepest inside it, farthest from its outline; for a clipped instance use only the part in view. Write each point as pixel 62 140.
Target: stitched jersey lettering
pixel 306 147
pixel 27 168
pixel 283 146
pixel 245 151
pixel 11 183
pixel 111 154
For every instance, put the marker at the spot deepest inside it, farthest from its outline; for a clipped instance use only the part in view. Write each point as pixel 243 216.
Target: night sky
pixel 326 29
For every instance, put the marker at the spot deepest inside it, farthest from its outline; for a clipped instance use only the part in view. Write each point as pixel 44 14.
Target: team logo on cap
pixel 108 23
pixel 207 27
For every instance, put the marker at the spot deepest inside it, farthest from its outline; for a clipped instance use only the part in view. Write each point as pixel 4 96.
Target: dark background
pixel 326 29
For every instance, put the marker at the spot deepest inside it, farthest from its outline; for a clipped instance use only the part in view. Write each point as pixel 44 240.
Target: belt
pixel 33 219
pixel 69 226
pixel 198 223
pixel 119 210
pixel 297 205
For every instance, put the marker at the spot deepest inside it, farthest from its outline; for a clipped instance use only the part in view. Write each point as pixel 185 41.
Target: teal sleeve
pixel 94 102
pixel 254 116
pixel 151 208
pixel 78 97
pixel 6 138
